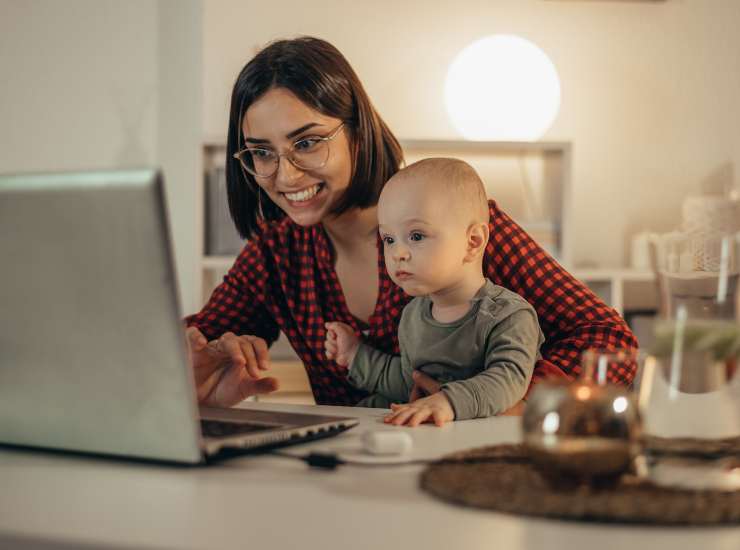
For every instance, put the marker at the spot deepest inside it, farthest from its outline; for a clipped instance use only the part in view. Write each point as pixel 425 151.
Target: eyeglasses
pixel 308 153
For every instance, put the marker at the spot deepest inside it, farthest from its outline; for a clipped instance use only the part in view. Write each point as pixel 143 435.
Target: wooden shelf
pixel 619 288
pixel 217 262
pixel 294 385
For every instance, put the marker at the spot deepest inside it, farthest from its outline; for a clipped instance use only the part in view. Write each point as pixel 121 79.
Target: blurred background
pixel 645 106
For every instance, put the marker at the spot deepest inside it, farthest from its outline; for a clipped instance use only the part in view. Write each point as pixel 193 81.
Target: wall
pixel 179 49
pixel 103 84
pixel 649 88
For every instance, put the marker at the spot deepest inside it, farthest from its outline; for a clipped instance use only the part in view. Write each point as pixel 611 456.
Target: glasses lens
pixel 310 153
pixel 259 162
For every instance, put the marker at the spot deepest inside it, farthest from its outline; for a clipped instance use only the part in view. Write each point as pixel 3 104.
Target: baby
pixel 480 341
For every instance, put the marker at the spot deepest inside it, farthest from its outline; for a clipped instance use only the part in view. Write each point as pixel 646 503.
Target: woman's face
pixel 278 120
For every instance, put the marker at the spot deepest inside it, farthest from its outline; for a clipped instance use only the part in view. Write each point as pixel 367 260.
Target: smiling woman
pixel 307 158
pixel 310 179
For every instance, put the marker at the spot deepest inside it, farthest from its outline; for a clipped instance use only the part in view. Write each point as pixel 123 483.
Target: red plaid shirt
pixel 284 279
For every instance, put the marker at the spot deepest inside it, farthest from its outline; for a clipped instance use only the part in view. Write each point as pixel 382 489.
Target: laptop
pixel 93 356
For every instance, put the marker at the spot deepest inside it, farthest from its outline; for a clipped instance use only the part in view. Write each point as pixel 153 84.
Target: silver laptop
pixel 92 349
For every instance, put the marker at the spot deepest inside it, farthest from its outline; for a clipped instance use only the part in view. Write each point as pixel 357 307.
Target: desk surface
pixel 53 501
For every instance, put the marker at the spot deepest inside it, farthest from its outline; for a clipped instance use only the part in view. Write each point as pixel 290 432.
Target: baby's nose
pixel 401 253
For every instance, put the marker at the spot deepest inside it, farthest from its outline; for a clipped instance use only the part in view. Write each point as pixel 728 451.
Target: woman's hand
pixel 435 408
pixel 228 370
pixel 341 343
pixel 424 385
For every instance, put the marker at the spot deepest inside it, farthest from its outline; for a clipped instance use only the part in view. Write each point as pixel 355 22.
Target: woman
pixel 307 157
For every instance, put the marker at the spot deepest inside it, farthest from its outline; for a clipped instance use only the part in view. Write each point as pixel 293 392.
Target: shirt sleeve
pixel 238 304
pixel 378 372
pixel 572 318
pixel 511 352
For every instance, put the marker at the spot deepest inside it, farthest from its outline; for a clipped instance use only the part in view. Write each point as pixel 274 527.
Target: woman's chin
pixel 305 219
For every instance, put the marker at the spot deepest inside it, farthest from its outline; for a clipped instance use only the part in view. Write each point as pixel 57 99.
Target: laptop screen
pixel 92 352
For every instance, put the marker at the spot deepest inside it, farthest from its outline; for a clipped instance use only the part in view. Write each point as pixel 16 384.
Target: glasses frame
pixel 288 154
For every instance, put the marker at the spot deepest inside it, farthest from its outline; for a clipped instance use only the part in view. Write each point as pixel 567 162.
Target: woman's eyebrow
pixel 290 135
pixel 302 129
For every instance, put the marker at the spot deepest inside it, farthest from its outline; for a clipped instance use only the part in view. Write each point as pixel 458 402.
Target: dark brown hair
pixel 319 75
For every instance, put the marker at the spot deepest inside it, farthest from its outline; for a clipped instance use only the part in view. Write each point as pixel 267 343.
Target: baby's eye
pixel 387 240
pixel 416 236
pixel 306 145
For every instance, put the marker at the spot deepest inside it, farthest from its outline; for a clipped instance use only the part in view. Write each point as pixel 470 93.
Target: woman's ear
pixel 477 241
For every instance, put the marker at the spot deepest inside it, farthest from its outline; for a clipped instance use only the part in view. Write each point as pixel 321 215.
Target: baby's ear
pixel 477 240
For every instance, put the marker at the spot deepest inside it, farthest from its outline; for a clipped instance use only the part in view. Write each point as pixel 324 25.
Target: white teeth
pixel 304 195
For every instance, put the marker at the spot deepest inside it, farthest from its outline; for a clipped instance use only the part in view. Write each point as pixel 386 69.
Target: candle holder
pixel 587 431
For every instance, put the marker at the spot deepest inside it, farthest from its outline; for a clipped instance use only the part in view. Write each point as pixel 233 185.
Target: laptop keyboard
pixel 219 428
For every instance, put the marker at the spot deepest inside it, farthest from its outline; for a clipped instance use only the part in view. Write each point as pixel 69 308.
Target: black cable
pixel 331 461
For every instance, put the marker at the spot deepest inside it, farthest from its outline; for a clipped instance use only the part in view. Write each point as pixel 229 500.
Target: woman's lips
pixel 307 202
pixel 403 275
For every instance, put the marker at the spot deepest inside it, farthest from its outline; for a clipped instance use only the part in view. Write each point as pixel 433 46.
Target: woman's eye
pixel 416 236
pixel 306 144
pixel 261 154
pixel 388 240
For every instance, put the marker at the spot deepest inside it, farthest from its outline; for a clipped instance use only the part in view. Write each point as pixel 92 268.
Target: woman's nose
pixel 287 173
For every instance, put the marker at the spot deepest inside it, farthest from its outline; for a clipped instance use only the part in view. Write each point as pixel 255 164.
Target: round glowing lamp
pixel 502 88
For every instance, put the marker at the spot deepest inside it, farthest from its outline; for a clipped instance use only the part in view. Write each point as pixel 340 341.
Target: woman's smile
pixel 304 197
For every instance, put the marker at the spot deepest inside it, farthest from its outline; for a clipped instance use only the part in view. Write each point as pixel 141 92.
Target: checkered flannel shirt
pixel 284 280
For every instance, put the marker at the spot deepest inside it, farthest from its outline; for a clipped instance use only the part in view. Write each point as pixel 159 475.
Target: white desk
pixel 52 501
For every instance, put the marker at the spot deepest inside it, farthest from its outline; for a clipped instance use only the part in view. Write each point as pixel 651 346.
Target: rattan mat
pixel 502 478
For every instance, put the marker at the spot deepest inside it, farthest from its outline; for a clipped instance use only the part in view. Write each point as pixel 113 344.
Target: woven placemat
pixel 691 446
pixel 503 478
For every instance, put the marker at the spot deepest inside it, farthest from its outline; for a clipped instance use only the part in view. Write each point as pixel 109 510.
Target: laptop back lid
pixel 92 352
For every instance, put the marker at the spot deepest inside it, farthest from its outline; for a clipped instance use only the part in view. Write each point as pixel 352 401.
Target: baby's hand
pixel 435 408
pixel 341 343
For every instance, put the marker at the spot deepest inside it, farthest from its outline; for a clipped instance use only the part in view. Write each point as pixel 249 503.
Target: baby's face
pixel 424 237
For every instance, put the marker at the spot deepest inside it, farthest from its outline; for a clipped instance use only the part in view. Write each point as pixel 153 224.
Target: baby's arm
pixel 369 369
pixel 378 372
pixel 511 351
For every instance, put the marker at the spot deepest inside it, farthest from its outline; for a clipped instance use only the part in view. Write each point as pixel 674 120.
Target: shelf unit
pixel 530 180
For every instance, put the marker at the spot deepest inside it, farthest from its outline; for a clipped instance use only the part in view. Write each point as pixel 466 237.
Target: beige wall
pixel 105 84
pixel 650 89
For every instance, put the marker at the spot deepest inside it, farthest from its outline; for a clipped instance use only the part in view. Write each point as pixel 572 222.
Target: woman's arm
pixel 238 304
pixel 229 337
pixel 572 317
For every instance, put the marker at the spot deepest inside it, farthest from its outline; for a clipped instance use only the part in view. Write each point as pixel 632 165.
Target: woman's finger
pixel 415 394
pixel 261 351
pixel 229 344
pixel 427 384
pixel 255 386
pixel 250 357
pixel 206 385
pixel 195 338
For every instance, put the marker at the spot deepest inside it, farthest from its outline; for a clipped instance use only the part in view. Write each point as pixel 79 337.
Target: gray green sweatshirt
pixel 484 360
